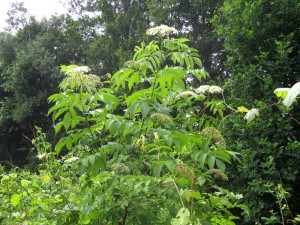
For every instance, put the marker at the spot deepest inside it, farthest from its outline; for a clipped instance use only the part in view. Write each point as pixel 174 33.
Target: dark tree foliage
pixel 30 63
pixel 261 39
pixel 121 25
pixel 18 17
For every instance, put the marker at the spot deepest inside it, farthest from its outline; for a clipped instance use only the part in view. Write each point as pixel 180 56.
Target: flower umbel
pixel 120 168
pixel 185 94
pixel 209 89
pixel 77 78
pixel 78 69
pixel 202 89
pixel 161 117
pixel 215 89
pixel 214 135
pixel 162 30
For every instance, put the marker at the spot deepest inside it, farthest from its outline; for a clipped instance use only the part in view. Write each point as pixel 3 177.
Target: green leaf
pixel 133 79
pixel 58 113
pixel 110 100
pixel 69 142
pixel 205 144
pixel 58 127
pixel 211 161
pixel 202 159
pixel 157 169
pixel 182 217
pixel 72 112
pixel 291 95
pixel 169 165
pixel 120 76
pixel 186 195
pixel 131 110
pixel 281 92
pixel 242 109
pixel 197 61
pixel 57 106
pixel 138 95
pixel 222 155
pixel 55 97
pixel 182 40
pixel 191 62
pixel 64 68
pixel 144 53
pixel 15 199
pixel 144 109
pixel 67 120
pixel 221 165
pixel 59 145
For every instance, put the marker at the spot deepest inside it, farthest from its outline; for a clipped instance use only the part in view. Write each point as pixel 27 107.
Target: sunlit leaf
pixel 242 109
pixel 67 120
pixel 15 199
pixel 46 178
pixel 281 92
pixel 182 217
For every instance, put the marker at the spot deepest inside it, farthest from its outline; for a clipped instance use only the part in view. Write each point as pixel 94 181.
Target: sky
pixel 38 8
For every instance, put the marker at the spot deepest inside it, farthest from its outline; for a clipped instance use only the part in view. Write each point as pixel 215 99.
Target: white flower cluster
pixel 41 155
pixel 251 114
pixel 185 94
pixel 209 89
pixel 236 196
pixel 202 89
pixel 70 160
pixel 79 69
pixel 162 30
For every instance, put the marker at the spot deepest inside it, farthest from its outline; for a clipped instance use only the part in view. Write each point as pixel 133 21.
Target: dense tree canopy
pixel 261 39
pixel 142 127
pixel 30 63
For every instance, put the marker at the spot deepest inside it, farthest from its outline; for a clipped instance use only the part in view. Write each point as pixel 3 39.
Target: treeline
pixel 248 47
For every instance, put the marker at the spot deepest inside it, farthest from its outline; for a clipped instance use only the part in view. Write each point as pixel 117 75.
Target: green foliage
pixel 148 136
pixel 120 26
pixel 261 42
pixel 142 147
pixel 38 198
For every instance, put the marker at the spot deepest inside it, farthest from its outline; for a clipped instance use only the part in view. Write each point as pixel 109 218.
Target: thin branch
pixel 294 118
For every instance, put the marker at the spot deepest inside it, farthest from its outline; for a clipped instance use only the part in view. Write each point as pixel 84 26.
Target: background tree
pixel 30 63
pixel 18 17
pixel 121 25
pixel 261 39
